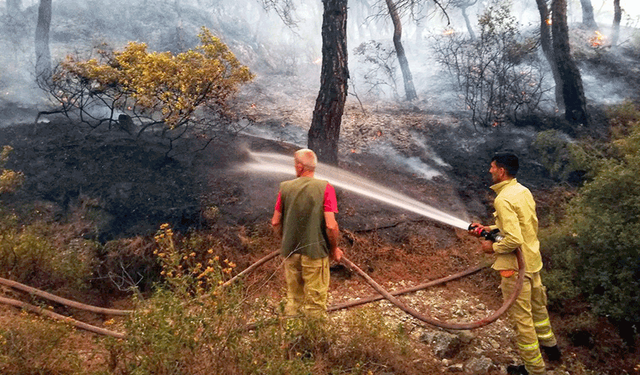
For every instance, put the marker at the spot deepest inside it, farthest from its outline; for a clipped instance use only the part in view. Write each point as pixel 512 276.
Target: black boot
pixel 517 370
pixel 552 352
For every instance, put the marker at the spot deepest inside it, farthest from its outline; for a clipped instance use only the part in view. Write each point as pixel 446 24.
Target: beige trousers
pixel 531 319
pixel 307 285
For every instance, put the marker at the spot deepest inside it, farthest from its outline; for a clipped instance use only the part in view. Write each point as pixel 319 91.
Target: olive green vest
pixel 303 225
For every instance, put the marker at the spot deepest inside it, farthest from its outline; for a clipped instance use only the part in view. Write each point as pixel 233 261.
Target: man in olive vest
pixel 304 218
pixel 516 219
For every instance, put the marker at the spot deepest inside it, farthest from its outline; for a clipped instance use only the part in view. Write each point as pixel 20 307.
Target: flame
pixel 597 40
pixel 549 21
pixel 448 32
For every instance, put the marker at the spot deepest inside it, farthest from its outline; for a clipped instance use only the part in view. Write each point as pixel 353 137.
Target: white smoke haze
pixel 261 40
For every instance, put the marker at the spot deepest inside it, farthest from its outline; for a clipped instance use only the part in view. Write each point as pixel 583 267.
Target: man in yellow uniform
pixel 304 217
pixel 515 217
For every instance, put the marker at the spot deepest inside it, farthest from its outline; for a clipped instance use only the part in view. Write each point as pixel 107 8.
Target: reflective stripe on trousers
pixel 531 319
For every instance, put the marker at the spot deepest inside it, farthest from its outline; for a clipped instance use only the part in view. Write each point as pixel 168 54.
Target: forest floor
pixel 438 159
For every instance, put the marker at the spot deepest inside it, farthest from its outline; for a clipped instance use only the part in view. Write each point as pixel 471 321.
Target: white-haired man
pixel 304 218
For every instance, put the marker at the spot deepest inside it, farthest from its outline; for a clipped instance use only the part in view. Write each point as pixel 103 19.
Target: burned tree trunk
pixel 409 89
pixel 327 115
pixel 572 89
pixel 472 35
pixel 587 15
pixel 463 5
pixel 547 49
pixel 617 17
pixel 43 54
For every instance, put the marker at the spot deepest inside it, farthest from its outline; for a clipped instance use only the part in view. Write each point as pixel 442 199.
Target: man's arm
pixel 333 234
pixel 510 227
pixel 276 224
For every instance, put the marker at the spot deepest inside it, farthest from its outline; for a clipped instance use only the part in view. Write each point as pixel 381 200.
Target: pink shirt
pixel 330 200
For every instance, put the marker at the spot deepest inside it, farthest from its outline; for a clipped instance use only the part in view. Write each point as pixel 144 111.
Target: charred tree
pixel 409 88
pixel 43 54
pixel 463 5
pixel 572 90
pixel 327 114
pixel 588 19
pixel 617 17
pixel 547 49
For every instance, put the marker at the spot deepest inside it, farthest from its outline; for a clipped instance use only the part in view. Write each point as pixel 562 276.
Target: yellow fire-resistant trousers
pixel 307 285
pixel 531 319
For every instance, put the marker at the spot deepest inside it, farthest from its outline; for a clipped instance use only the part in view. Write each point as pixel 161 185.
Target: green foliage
pixel 560 273
pixel 499 74
pixel 31 254
pixel 34 346
pixel 151 87
pixel 562 156
pixel 600 232
pixel 9 180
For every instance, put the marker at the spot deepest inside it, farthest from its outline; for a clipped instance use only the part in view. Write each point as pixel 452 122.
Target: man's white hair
pixel 307 158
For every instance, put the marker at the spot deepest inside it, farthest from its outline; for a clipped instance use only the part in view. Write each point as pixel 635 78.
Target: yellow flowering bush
pixel 9 180
pixel 151 87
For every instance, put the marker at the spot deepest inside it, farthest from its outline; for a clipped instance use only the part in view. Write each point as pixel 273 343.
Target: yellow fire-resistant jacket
pixel 516 218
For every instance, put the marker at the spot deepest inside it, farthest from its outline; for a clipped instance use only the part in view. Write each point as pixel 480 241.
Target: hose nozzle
pixel 493 236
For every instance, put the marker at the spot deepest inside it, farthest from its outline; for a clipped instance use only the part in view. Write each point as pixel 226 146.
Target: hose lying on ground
pixel 62 301
pixel 425 318
pixel 51 314
pixel 384 294
pixel 439 323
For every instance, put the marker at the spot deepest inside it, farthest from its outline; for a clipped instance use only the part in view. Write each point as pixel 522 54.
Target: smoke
pixel 261 40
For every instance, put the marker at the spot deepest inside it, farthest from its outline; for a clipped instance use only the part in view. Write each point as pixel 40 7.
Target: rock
pixel 443 344
pixel 466 336
pixel 458 367
pixel 479 365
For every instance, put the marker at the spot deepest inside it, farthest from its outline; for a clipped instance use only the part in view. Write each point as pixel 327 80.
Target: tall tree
pixel 409 88
pixel 587 15
pixel 617 17
pixel 43 54
pixel 327 115
pixel 572 89
pixel 463 5
pixel 547 48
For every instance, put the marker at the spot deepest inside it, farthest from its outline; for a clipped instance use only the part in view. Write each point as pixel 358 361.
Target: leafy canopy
pixel 157 86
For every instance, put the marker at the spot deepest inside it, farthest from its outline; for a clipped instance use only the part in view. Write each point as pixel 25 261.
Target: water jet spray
pixel 276 163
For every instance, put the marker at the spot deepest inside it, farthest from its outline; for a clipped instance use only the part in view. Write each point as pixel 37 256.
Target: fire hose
pixel 383 294
pixel 62 301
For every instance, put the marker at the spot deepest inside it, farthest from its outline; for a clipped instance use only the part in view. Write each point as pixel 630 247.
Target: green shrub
pixel 9 180
pixel 560 272
pixel 561 156
pixel 600 233
pixel 35 254
pixel 34 346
